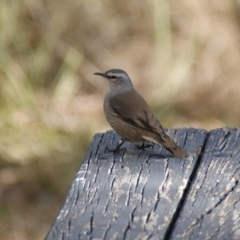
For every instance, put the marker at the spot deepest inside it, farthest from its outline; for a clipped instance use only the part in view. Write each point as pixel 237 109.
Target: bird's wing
pixel 133 109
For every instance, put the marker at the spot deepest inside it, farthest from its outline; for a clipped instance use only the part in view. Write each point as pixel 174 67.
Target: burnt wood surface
pixel 212 206
pixel 148 194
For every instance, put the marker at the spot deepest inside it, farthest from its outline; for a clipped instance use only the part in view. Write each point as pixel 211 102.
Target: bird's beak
pixel 101 74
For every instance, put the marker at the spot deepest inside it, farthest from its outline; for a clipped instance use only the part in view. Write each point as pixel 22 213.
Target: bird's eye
pixel 113 77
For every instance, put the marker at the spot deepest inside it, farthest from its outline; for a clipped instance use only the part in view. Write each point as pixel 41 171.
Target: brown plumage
pixel 130 116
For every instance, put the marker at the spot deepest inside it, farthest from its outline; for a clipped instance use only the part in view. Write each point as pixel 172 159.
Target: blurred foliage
pixel 182 56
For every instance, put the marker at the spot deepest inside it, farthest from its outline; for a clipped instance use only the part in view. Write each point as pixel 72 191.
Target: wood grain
pixel 135 194
pixel 212 207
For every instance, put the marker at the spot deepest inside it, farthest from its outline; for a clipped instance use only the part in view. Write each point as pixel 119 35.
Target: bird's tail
pixel 163 139
pixel 173 148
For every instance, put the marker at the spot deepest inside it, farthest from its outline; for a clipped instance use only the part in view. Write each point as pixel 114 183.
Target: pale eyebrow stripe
pixel 116 74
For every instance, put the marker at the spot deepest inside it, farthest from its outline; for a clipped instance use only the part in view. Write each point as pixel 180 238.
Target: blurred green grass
pixel 183 58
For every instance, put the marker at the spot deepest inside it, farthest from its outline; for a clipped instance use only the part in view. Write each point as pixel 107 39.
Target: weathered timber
pixel 212 207
pixel 147 194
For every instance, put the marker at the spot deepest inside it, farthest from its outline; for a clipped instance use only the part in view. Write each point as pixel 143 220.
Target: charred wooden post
pixel 148 194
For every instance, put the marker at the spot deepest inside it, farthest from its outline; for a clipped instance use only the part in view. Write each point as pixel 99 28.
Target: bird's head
pixel 117 78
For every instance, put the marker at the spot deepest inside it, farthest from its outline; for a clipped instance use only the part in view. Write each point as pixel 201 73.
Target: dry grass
pixel 182 56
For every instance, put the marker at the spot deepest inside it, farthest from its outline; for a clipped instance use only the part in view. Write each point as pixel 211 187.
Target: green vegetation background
pixel 182 56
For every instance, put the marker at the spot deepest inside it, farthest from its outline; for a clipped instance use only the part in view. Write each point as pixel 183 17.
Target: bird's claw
pixel 143 146
pixel 117 149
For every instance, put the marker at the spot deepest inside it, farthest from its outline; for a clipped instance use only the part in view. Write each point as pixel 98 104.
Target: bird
pixel 130 116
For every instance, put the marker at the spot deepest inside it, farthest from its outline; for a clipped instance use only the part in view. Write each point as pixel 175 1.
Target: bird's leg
pixel 143 145
pixel 117 149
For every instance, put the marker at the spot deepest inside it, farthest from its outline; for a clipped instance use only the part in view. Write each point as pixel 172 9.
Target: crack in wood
pixel 91 223
pixel 157 201
pixel 138 196
pixel 126 230
pixel 176 214
pixel 138 178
